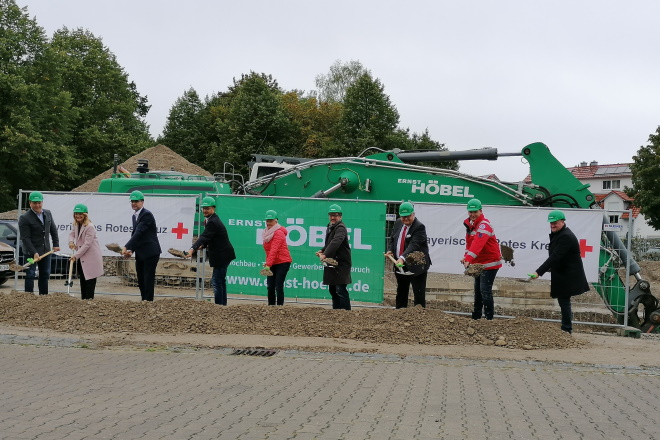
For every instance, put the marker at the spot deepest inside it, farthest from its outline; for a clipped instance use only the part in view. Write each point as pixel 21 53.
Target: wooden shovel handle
pixel 44 255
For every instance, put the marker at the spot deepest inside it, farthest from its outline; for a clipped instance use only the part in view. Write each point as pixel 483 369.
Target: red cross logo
pixel 179 231
pixel 584 248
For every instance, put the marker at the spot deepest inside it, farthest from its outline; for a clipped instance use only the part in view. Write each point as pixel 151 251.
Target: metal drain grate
pixel 254 352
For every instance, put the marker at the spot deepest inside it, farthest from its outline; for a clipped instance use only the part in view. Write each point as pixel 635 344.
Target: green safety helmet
pixel 208 202
pixel 36 196
pixel 136 195
pixel 474 205
pixel 271 215
pixel 405 209
pixel 80 208
pixel 556 215
pixel 334 208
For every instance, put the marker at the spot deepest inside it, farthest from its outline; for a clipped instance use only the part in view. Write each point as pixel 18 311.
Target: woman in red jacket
pixel 481 247
pixel 278 258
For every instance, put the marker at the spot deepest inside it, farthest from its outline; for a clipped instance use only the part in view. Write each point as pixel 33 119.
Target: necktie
pixel 402 243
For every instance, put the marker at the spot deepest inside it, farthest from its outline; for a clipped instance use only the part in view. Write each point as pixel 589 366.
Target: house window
pixel 614 219
pixel 611 184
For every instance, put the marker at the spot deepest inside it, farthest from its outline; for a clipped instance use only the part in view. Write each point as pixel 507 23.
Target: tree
pixel 646 180
pixel 332 87
pixel 183 131
pixel 110 111
pixel 315 124
pixel 35 113
pixel 249 119
pixel 368 118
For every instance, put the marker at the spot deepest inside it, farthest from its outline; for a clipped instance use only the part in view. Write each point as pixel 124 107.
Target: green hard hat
pixel 36 196
pixel 271 215
pixel 208 202
pixel 80 208
pixel 334 208
pixel 405 209
pixel 474 205
pixel 556 215
pixel 136 195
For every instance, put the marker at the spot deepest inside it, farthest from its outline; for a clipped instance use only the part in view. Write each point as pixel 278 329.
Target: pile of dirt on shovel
pixel 63 313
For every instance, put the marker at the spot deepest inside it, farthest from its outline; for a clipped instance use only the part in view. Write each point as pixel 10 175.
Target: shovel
pixel 399 268
pixel 19 268
pixel 68 283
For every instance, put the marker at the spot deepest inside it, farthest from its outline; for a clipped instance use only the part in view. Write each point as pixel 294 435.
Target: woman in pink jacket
pixel 87 251
pixel 278 258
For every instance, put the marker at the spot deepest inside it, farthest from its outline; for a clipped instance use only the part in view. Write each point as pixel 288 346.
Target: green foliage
pixel 369 118
pixel 333 86
pixel 110 110
pixel 34 110
pixel 183 130
pixel 253 122
pixel 65 107
pixel 646 180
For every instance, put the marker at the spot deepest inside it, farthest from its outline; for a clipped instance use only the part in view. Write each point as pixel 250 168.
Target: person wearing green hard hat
pixel 144 244
pixel 87 254
pixel 219 249
pixel 409 236
pixel 37 228
pixel 278 257
pixel 481 247
pixel 336 258
pixel 564 262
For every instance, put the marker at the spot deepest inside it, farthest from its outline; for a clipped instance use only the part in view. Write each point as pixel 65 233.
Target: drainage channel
pixel 254 352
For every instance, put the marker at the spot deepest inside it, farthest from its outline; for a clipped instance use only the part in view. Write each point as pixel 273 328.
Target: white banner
pixel 525 230
pixel 112 216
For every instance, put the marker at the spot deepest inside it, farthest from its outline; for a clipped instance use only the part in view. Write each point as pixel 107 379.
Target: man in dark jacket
pixel 409 235
pixel 567 277
pixel 337 247
pixel 144 243
pixel 35 225
pixel 220 250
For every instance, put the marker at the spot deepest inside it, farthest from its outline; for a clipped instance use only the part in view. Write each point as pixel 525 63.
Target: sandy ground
pixel 112 323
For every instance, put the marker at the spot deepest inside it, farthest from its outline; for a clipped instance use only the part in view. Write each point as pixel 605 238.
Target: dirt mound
pixel 184 316
pixel 160 158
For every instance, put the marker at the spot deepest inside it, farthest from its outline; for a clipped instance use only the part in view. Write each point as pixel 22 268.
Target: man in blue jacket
pixel 35 225
pixel 144 243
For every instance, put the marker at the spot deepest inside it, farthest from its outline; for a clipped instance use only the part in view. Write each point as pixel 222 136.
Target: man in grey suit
pixel 35 225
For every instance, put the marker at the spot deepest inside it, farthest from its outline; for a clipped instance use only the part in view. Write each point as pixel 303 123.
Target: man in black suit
pixel 144 243
pixel 35 225
pixel 220 250
pixel 409 235
pixel 567 276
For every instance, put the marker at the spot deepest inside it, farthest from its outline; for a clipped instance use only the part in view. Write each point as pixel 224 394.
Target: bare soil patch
pixel 412 326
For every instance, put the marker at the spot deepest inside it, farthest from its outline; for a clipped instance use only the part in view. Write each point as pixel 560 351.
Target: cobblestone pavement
pixel 61 388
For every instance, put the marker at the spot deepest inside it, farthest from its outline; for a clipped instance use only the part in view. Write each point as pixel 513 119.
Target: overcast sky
pixel 582 77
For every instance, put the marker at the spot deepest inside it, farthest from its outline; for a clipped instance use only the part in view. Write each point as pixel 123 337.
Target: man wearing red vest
pixel 481 247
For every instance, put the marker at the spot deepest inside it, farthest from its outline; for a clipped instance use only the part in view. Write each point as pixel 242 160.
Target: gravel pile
pixel 63 313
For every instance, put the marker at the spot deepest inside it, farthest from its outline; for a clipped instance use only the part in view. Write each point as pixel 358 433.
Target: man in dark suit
pixel 336 247
pixel 220 250
pixel 409 235
pixel 144 243
pixel 567 277
pixel 35 225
